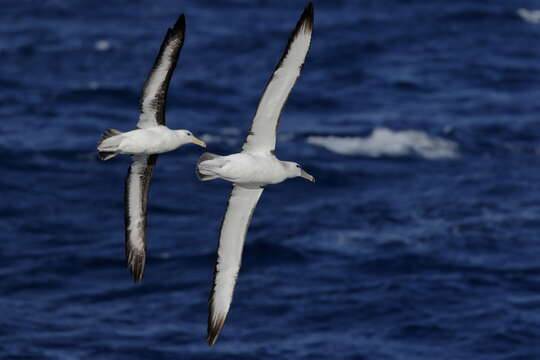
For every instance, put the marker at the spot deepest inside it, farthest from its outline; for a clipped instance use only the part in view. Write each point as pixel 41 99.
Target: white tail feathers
pixel 204 157
pixel 106 155
pixel 108 144
pixel 109 133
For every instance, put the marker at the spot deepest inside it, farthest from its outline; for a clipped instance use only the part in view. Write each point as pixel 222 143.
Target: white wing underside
pixel 240 209
pixel 262 135
pixel 152 107
pixel 136 200
pixel 261 138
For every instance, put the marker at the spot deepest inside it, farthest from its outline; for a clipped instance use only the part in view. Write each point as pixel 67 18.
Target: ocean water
pixel 419 240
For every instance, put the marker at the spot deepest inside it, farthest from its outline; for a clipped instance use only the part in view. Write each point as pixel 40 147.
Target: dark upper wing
pixel 229 257
pixel 135 202
pixel 154 93
pixel 262 135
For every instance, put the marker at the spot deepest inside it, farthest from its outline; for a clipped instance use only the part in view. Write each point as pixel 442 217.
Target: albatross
pixel 250 170
pixel 150 138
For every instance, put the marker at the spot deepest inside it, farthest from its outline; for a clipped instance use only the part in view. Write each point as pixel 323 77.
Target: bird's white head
pixel 186 137
pixel 293 170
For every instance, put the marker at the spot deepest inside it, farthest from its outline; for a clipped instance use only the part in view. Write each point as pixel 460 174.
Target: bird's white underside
pixel 136 197
pixel 150 137
pixel 241 205
pixel 260 142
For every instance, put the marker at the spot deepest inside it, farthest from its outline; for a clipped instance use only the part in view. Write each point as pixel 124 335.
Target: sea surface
pixel 420 239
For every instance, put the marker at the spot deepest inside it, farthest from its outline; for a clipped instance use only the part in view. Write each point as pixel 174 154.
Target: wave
pixel 228 135
pixel 386 142
pixel 530 16
pixel 102 45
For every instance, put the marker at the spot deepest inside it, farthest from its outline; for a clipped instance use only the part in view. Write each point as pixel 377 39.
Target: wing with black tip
pixel 135 202
pixel 240 209
pixel 154 93
pixel 262 135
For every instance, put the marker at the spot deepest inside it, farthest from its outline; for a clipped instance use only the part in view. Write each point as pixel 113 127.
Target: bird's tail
pixel 108 144
pixel 201 173
pixel 106 155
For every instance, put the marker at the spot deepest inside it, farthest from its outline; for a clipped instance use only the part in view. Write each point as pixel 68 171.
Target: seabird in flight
pixel 250 170
pixel 150 138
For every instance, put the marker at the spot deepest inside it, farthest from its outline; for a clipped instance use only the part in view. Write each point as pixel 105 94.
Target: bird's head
pixel 186 137
pixel 295 170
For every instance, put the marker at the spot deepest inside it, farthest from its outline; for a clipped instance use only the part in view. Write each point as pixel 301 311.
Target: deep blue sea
pixel 419 240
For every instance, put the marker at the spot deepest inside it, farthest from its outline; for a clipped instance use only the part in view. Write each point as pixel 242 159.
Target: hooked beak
pixel 198 141
pixel 305 175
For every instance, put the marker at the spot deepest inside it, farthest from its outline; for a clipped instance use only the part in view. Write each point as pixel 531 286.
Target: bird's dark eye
pixel 298 166
pixel 188 134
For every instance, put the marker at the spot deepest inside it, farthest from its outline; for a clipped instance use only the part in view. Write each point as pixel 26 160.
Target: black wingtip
pixel 215 322
pixel 214 329
pixel 180 24
pixel 136 260
pixel 305 23
pixel 307 17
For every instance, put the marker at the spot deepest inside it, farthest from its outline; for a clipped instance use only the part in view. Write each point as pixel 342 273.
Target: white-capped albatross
pixel 250 170
pixel 152 137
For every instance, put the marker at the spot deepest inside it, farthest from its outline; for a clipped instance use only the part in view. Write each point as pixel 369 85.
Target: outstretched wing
pixel 229 256
pixel 262 135
pixel 135 201
pixel 154 93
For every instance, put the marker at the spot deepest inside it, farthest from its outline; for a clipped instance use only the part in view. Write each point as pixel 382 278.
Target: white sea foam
pixel 207 138
pixel 386 142
pixel 102 45
pixel 229 140
pixel 93 85
pixel 531 16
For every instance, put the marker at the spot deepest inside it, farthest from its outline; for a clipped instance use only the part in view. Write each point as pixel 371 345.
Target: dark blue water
pixel 420 240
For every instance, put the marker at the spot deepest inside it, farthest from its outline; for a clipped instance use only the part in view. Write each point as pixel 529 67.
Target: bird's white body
pixel 250 170
pixel 150 138
pixel 246 169
pixel 148 141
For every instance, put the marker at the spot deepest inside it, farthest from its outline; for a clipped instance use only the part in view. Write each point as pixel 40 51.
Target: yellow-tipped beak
pixel 198 142
pixel 307 176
